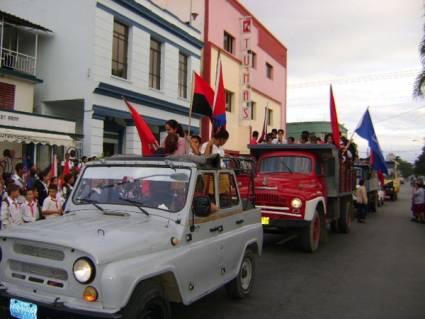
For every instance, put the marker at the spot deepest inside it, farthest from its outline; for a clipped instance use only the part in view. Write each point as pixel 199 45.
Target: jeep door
pixel 206 246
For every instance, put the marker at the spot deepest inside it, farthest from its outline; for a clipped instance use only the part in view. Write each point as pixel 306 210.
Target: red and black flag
pixel 203 97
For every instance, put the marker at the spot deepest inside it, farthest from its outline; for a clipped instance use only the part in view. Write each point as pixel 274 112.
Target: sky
pixel 367 49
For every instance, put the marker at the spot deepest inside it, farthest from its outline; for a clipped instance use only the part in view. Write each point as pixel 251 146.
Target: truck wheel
pixel 310 237
pixel 345 219
pixel 241 286
pixel 148 301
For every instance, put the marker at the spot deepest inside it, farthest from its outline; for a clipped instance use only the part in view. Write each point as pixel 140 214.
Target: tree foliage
pixel 405 167
pixel 420 163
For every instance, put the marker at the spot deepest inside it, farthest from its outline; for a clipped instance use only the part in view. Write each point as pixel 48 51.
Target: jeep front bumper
pixel 52 310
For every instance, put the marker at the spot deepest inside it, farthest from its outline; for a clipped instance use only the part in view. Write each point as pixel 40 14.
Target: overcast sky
pixel 367 49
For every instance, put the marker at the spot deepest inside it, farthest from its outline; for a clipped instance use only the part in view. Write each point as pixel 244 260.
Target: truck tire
pixel 241 286
pixel 345 218
pixel 148 301
pixel 310 237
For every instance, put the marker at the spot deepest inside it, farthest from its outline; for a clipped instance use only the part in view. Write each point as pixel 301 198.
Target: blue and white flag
pixel 365 129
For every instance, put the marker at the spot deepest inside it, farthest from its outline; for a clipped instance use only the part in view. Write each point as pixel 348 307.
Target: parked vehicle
pixel 138 233
pixel 303 188
pixel 392 180
pixel 365 171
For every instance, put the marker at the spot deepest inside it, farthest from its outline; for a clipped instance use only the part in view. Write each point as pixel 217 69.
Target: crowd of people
pixel 28 195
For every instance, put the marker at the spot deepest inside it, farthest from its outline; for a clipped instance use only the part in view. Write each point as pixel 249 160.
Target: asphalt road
pixel 376 271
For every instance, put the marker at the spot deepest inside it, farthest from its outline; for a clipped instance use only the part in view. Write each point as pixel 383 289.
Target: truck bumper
pixel 282 224
pixel 52 311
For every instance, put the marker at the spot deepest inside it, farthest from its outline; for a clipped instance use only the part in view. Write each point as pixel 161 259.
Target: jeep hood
pixel 104 237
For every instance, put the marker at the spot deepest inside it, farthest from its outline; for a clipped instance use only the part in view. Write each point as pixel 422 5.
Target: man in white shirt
pixel 52 205
pixel 215 145
pixel 280 139
pixel 11 210
pixel 18 177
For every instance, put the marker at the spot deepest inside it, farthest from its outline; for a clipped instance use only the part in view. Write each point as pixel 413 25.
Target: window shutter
pixel 7 96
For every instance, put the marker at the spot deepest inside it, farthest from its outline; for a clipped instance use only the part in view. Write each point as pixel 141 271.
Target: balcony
pixel 18 61
pixel 18 44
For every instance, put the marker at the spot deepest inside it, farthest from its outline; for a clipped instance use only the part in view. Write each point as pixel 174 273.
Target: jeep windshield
pixel 152 187
pixel 286 164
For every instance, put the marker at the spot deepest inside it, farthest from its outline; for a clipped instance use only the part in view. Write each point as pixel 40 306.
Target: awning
pixel 23 136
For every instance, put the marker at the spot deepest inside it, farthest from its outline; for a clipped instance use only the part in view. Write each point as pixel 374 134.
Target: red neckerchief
pixel 56 203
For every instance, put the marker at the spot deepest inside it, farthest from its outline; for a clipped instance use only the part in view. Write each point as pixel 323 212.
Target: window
pixel 229 101
pixel 286 164
pixel 229 41
pixel 253 60
pixel 269 71
pixel 119 50
pixel 252 106
pixel 270 117
pixel 228 192
pixel 205 186
pixel 182 76
pixel 7 96
pixel 155 65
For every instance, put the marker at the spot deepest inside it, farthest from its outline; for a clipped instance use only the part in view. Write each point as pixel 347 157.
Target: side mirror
pixel 201 206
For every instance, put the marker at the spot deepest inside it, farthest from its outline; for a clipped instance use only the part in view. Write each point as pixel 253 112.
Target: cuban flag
pixel 366 130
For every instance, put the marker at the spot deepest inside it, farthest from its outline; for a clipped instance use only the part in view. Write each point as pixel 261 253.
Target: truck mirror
pixel 201 206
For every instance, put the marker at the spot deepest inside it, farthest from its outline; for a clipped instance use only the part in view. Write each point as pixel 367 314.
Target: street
pixel 376 271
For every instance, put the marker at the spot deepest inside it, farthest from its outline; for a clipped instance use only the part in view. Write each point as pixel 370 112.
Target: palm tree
pixel 419 86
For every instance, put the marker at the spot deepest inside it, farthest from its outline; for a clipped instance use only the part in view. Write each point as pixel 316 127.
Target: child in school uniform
pixel 11 209
pixel 52 205
pixel 30 208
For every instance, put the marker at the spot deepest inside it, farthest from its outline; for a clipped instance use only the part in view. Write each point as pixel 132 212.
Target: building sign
pixel 36 122
pixel 246 31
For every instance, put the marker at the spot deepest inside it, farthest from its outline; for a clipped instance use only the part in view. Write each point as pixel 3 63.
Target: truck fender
pixel 255 246
pixel 311 205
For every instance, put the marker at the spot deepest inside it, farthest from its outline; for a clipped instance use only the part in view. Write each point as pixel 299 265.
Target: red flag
pixel 203 97
pixel 219 113
pixel 334 121
pixel 145 134
pixel 266 121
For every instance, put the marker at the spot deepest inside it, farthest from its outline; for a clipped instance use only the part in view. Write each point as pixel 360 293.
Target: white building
pixel 102 50
pixel 31 138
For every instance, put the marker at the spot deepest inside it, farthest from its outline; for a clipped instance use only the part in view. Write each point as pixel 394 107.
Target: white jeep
pixel 137 234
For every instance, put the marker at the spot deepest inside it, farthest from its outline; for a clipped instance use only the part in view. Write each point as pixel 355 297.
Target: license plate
pixel 265 220
pixel 22 310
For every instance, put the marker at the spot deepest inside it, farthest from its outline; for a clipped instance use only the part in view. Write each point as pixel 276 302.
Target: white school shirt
pixel 11 213
pixel 52 205
pixel 215 149
pixel 30 211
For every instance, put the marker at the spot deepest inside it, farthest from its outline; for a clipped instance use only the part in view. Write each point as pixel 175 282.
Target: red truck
pixel 305 189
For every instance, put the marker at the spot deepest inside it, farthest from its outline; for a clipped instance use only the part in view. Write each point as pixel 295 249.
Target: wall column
pixel 132 141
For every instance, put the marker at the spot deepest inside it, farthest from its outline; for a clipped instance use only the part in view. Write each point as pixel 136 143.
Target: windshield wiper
pixel 136 204
pixel 91 201
pixel 287 167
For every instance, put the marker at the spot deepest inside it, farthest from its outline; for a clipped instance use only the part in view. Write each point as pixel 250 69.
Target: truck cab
pixel 392 180
pixel 137 234
pixel 303 189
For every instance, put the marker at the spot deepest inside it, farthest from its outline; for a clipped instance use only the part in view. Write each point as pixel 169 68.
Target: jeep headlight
pixel 83 270
pixel 296 203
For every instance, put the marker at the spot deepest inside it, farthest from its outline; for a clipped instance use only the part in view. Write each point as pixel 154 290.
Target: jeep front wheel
pixel 241 286
pixel 148 302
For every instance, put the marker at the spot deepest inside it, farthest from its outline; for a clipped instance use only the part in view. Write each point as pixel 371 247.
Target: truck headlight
pixel 83 270
pixel 296 203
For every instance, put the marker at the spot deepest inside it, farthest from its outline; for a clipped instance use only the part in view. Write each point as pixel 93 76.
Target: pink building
pixel 254 65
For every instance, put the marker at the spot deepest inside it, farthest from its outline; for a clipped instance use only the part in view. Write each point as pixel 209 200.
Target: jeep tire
pixel 147 301
pixel 242 285
pixel 310 237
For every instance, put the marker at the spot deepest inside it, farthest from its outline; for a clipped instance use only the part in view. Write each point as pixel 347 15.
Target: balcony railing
pixel 18 61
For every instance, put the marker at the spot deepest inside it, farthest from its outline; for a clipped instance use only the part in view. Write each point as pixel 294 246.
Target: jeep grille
pixel 40 252
pixel 20 269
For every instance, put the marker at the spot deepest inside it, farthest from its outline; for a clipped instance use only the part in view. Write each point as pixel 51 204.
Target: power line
pixel 372 77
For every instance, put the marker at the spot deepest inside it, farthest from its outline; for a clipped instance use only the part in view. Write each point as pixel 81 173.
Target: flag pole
pixel 190 106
